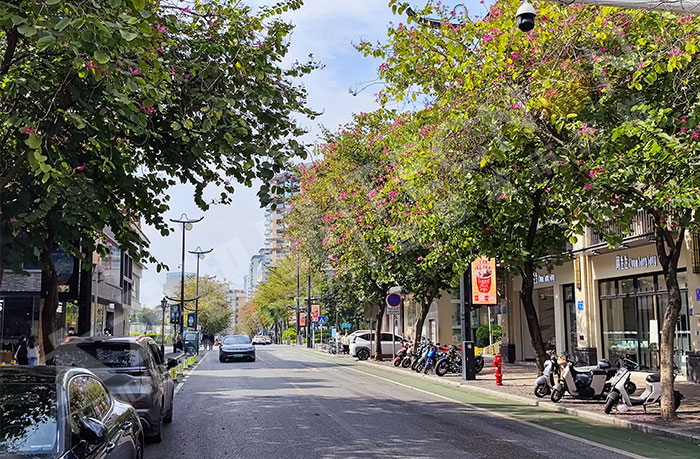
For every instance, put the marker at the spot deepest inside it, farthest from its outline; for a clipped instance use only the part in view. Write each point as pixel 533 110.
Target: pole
pixel 309 344
pixel 182 287
pixel 687 7
pixel 162 333
pixel 465 297
pixel 393 338
pixel 490 334
pixel 298 313
pixel 196 297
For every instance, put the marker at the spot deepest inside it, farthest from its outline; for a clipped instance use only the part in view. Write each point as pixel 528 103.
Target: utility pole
pixel 186 226
pixel 309 344
pixel 298 312
pixel 200 256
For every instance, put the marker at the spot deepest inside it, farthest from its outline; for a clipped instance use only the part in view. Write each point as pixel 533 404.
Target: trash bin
pixel 693 366
pixel 508 352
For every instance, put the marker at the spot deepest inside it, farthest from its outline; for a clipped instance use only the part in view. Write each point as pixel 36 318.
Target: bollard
pixel 499 374
pixel 173 374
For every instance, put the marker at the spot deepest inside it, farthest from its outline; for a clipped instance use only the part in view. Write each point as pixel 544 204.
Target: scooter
pixel 550 374
pixel 583 382
pixel 401 354
pixel 419 364
pixel 619 396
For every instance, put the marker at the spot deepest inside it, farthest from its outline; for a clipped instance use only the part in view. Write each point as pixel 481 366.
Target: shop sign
pixel 542 278
pixel 623 262
pixel 484 281
pixel 579 305
pixel 697 294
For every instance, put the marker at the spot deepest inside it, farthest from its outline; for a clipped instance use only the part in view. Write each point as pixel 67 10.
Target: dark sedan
pixel 236 347
pixel 64 413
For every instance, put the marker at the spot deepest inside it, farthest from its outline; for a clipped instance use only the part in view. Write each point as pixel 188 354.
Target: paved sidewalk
pixel 518 385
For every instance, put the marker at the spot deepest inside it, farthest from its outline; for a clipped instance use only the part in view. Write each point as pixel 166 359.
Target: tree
pixel 119 101
pixel 215 309
pixel 148 317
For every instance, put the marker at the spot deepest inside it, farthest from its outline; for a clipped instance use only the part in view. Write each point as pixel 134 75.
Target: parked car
pixel 236 347
pixel 267 339
pixel 191 342
pixel 133 369
pixel 58 412
pixel 360 344
pixel 258 339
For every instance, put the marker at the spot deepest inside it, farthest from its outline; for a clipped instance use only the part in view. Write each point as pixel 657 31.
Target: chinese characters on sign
pixel 623 262
pixel 484 281
pixel 542 278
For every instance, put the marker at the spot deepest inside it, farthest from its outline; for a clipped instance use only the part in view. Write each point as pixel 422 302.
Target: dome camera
pixel 526 17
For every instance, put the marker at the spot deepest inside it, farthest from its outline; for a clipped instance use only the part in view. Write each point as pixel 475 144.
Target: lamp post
pixel 309 344
pixel 186 226
pixel 298 313
pixel 200 256
pixel 164 306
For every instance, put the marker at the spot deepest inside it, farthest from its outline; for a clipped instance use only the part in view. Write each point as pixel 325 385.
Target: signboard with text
pixel 315 312
pixel 484 281
pixel 393 304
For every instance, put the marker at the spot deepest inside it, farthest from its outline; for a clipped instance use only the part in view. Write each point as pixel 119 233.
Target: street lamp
pixel 200 256
pixel 186 226
pixel 163 305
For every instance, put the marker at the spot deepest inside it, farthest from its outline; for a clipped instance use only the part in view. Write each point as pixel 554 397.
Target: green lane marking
pixel 633 441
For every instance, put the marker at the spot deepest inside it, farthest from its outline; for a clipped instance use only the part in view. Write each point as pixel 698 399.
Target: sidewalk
pixel 518 385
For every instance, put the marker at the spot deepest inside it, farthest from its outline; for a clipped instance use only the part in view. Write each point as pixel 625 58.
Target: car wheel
pixel 252 359
pixel 363 354
pixel 138 448
pixel 222 360
pixel 169 415
pixel 157 433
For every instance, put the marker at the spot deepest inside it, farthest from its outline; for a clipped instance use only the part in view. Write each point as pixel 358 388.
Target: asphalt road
pixel 291 404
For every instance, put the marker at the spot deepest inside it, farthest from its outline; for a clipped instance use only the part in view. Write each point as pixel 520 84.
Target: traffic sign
pixel 322 320
pixel 345 325
pixel 393 303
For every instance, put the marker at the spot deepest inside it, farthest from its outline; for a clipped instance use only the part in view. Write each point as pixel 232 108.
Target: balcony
pixel 642 225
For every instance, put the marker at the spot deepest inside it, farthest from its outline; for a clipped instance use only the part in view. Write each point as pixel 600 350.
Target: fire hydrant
pixel 498 364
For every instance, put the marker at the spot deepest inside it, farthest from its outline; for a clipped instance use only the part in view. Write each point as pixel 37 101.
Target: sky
pixel 327 29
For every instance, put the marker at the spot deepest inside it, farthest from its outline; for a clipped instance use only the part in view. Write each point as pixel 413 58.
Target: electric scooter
pixel 583 382
pixel 619 396
pixel 550 374
pixel 403 352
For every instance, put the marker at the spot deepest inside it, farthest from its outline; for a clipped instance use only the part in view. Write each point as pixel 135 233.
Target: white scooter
pixel 652 393
pixel 550 374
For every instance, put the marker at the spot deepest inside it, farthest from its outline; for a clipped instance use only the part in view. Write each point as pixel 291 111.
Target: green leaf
pixel 62 24
pixel 115 3
pixel 52 2
pixel 139 4
pixel 27 30
pixel 175 126
pixel 16 20
pixel 33 142
pixel 101 57
pixel 126 35
pixel 573 239
pixel 45 41
pixel 188 124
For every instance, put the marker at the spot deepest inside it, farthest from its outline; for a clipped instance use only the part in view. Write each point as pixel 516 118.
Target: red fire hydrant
pixel 498 364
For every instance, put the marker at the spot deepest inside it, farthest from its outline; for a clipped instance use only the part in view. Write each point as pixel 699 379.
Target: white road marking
pixel 184 380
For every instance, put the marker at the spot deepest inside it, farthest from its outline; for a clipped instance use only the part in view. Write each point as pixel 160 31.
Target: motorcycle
pixel 419 364
pixel 619 396
pixel 451 362
pixel 402 354
pixel 590 382
pixel 433 356
pixel 550 374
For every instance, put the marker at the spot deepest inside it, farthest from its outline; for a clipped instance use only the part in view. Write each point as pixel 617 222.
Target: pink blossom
pixel 588 186
pixel 502 196
pixel 13 220
pixel 80 168
pixel 684 121
pixel 488 228
pixel 695 135
pixel 675 52
pixel 134 71
pixel 420 258
pixel 161 28
pixel 683 130
pixel 90 65
pixel 29 130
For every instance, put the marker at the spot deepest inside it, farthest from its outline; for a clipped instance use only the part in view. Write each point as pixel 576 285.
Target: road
pixel 291 403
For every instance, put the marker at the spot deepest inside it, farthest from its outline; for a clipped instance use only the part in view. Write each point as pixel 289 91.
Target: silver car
pixel 133 369
pixel 236 347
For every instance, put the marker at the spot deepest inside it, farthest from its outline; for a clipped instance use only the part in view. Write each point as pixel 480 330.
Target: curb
pixel 605 419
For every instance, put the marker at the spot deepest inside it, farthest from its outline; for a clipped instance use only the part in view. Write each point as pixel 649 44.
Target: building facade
pixel 275 243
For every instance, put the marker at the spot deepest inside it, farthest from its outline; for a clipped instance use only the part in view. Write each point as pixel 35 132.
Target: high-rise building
pixel 275 242
pixel 257 270
pixel 238 298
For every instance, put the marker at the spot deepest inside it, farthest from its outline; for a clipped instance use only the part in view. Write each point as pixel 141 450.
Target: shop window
pixel 696 253
pixel 626 286
pixel 645 284
pixel 607 288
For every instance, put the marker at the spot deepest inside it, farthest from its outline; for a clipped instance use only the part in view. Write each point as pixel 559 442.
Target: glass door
pixel 570 332
pixel 648 326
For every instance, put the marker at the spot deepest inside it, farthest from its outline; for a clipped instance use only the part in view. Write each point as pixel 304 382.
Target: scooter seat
pixel 654 377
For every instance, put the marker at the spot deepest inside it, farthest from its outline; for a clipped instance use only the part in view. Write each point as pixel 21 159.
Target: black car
pixel 64 413
pixel 133 369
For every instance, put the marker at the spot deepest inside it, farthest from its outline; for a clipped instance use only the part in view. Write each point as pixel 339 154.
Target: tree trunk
pixel 420 321
pixel 668 249
pixel 49 301
pixel 378 332
pixel 533 324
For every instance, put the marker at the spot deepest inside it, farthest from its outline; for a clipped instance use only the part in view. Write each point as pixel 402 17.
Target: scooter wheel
pixel 630 387
pixel 541 390
pixel 556 395
pixel 397 361
pixel 611 401
pixel 405 363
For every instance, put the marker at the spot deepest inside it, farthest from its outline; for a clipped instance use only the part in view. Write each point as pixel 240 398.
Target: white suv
pixel 360 344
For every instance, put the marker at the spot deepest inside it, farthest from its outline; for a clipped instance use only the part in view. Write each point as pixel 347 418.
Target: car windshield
pixel 28 419
pixel 191 337
pixel 236 340
pixel 98 355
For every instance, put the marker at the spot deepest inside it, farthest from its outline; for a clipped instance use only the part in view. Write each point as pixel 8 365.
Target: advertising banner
pixel 484 281
pixel 315 312
pixel 302 320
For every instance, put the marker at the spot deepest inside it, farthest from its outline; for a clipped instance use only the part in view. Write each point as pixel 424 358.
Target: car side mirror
pixel 92 431
pixel 172 363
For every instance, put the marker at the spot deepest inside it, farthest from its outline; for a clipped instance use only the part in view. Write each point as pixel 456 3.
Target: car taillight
pixel 138 404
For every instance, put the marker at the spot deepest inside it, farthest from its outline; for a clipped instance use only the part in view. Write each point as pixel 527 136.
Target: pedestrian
pixel 32 351
pixel 21 352
pixel 107 332
pixel 71 331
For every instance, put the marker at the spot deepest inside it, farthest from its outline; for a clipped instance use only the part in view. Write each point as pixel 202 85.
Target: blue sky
pixel 328 29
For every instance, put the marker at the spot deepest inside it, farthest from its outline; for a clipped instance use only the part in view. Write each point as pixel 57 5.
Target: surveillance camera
pixel 526 17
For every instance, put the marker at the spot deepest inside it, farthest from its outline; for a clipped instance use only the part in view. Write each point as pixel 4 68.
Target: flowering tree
pixel 122 99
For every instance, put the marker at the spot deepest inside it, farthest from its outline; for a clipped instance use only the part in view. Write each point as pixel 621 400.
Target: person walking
pixel 21 352
pixel 32 351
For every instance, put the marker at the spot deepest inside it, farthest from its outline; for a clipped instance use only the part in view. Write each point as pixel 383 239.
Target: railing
pixel 642 224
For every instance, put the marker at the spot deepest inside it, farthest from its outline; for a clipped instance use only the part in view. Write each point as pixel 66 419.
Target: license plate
pixel 238 355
